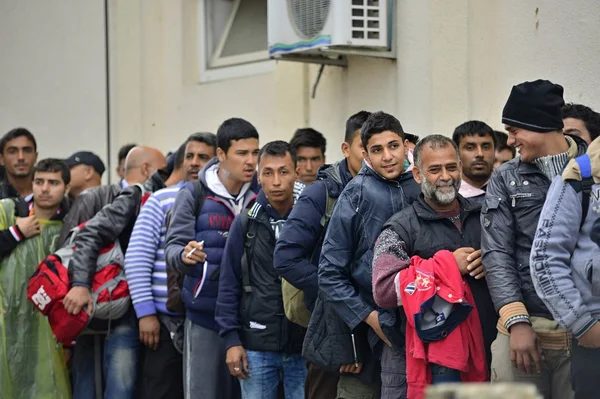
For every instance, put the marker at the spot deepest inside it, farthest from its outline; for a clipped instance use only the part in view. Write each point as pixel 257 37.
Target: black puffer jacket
pixel 513 203
pixel 87 205
pixel 114 221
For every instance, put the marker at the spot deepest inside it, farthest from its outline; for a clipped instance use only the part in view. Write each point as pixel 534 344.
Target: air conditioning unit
pixel 321 27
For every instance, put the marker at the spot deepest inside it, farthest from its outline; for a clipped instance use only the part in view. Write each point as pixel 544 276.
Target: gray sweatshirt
pixel 565 262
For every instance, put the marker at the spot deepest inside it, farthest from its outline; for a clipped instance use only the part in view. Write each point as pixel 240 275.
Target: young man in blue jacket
pixel 380 189
pixel 263 346
pixel 195 246
pixel 299 245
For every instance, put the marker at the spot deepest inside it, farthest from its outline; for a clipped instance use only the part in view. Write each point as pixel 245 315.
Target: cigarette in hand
pixel 191 252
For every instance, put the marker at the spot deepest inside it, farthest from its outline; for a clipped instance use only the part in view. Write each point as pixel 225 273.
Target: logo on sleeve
pixel 410 288
pixel 423 281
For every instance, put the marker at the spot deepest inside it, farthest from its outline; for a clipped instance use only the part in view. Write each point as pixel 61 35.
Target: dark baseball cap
pixel 86 158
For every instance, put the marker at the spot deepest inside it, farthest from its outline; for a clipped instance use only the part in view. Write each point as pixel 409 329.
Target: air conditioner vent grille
pixel 309 16
pixel 366 15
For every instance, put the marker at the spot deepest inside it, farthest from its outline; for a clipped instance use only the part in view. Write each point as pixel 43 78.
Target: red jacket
pixel 443 323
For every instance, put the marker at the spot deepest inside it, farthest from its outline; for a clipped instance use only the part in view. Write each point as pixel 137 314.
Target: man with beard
pixel 476 143
pixel 18 154
pixel 441 219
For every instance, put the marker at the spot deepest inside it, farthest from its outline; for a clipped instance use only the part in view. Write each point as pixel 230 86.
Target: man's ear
pixel 417 174
pixel 1 159
pixel 221 155
pixel 89 173
pixel 345 149
pixel 366 157
pixel 67 189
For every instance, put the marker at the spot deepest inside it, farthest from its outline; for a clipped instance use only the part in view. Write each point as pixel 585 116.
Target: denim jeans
pixel 119 362
pixel 205 373
pixel 441 374
pixel 267 369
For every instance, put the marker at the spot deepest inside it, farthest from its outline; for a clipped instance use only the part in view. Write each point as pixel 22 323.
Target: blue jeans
pixel 120 368
pixel 267 369
pixel 441 374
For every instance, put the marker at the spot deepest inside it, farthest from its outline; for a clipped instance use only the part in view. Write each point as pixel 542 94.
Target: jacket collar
pixel 424 211
pixel 367 170
pixel 335 176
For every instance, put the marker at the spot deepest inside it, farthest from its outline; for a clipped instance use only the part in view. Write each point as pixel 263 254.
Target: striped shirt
pixel 145 266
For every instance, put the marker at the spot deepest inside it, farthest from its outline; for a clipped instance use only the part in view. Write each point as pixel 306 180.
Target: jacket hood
pixel 210 178
pixel 335 176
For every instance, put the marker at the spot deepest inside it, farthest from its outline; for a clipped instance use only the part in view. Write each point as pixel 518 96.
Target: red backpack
pixel 50 283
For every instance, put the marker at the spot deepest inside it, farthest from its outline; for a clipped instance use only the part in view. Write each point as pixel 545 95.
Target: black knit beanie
pixel 535 106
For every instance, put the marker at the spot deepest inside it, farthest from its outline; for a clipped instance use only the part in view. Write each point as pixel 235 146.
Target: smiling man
pixel 528 336
pixel 476 143
pixel 380 189
pixel 18 154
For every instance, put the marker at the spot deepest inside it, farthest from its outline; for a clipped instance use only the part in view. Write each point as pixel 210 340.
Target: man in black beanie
pixel 530 346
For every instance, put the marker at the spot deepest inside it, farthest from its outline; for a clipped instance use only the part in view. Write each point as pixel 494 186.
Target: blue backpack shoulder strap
pixel 585 185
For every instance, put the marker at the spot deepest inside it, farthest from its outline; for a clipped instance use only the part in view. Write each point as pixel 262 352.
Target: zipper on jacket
pixel 519 195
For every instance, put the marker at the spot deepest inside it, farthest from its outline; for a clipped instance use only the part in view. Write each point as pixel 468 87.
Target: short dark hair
pixel 502 143
pixel 210 139
pixel 354 124
pixel 179 156
pixel 308 137
pixel 412 138
pixel 234 129
pixel 278 148
pixel 433 141
pixel 379 122
pixel 54 165
pixel 123 151
pixel 472 128
pixel 15 133
pixel 589 117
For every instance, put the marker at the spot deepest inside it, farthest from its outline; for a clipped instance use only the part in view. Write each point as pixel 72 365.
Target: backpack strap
pixel 329 206
pixel 199 197
pixel 249 229
pixel 585 185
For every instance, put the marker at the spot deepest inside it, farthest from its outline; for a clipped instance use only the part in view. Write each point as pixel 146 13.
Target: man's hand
pixel 77 298
pixel 29 226
pixel 591 338
pixel 237 361
pixel 476 268
pixel 351 368
pixel 150 331
pixel 525 350
pixel 192 253
pixel 373 321
pixel 461 255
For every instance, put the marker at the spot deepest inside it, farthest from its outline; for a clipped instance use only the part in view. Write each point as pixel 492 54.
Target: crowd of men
pixel 260 271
